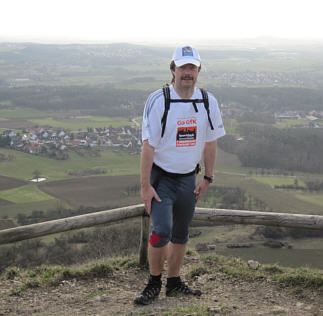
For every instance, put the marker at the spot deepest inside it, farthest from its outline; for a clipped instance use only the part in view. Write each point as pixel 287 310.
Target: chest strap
pixel 168 101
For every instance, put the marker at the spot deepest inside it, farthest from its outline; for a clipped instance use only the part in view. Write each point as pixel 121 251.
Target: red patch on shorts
pixel 154 239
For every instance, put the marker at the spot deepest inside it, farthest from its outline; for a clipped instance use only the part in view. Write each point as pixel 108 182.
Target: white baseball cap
pixel 186 55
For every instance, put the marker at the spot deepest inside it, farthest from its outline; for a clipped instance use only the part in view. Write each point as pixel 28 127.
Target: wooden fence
pixel 219 216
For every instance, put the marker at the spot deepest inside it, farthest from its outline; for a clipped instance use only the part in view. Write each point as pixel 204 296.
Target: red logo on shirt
pixel 186 136
pixel 186 132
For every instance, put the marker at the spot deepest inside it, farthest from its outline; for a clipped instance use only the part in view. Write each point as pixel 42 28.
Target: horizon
pixel 263 41
pixel 174 22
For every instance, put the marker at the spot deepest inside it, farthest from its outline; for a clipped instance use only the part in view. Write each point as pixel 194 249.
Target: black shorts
pixel 172 216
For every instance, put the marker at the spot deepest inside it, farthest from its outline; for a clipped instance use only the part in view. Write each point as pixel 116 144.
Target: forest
pixel 109 101
pixel 294 149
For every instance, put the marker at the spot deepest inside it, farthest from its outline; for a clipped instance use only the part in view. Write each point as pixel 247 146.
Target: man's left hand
pixel 201 189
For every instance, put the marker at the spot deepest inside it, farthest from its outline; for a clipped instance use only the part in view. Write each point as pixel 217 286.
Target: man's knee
pixel 179 239
pixel 158 241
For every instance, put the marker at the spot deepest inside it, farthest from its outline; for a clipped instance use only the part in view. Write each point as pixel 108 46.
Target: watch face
pixel 210 179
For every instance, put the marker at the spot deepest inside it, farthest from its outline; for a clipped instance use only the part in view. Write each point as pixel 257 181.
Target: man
pixel 169 160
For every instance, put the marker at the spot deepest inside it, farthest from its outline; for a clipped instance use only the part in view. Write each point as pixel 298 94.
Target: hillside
pixel 229 287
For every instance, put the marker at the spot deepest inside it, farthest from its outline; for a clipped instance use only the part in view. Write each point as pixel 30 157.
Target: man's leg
pixel 156 259
pixel 175 257
pixel 182 217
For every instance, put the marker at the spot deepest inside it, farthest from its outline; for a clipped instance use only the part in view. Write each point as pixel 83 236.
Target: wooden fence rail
pixel 219 216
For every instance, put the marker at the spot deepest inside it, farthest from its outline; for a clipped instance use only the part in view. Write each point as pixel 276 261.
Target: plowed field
pixel 94 191
pixel 7 183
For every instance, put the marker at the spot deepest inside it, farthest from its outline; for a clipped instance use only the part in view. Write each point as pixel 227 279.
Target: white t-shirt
pixel 181 147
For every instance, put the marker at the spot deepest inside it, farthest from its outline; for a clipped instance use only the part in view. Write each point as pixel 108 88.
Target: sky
pixel 159 21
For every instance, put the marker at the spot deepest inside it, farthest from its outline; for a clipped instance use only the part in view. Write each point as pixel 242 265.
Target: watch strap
pixel 209 179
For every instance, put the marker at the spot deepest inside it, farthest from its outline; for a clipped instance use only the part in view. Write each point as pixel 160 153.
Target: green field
pixel 13 210
pixel 6 103
pixel 229 174
pixel 315 198
pixel 276 200
pixel 287 123
pixel 25 194
pixel 230 126
pixel 23 165
pixel 278 180
pixel 81 122
pixel 20 113
pixel 63 120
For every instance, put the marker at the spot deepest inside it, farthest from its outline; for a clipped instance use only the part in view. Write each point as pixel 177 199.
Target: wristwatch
pixel 210 179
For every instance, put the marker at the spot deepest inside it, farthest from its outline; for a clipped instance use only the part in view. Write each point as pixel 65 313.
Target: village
pixel 56 142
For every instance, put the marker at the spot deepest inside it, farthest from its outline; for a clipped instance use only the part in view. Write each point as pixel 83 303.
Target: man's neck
pixel 184 93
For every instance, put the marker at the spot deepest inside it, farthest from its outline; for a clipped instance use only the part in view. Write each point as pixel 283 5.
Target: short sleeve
pixel 151 123
pixel 216 119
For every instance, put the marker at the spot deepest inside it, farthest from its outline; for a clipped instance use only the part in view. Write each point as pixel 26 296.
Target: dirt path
pixel 222 295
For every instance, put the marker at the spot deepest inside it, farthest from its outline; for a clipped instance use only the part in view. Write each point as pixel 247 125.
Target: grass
pixel 296 279
pixel 20 113
pixel 301 277
pixel 81 122
pixel 193 309
pixel 279 200
pixel 46 275
pixel 276 200
pixel 6 103
pixel 230 126
pixel 286 277
pixel 23 165
pixel 13 210
pixel 25 194
pixel 315 198
pixel 287 123
pixel 273 180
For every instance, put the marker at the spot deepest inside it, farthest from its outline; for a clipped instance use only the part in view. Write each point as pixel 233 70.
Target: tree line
pixel 111 101
pixel 74 247
pixel 295 149
pixel 96 100
pixel 271 99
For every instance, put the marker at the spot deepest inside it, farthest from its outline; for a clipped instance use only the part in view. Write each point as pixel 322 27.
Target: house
pixel 9 133
pixel 312 118
pixel 32 148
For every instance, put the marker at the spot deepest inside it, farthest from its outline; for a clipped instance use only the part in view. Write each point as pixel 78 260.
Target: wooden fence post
pixel 143 254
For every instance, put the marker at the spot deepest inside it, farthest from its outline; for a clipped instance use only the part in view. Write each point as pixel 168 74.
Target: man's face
pixel 186 76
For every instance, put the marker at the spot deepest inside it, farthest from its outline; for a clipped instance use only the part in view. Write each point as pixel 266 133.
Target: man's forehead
pixel 188 65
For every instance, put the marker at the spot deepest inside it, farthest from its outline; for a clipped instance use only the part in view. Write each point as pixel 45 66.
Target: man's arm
pixel 147 191
pixel 209 154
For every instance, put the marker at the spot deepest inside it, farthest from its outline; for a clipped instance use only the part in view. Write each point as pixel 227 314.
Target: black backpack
pixel 168 101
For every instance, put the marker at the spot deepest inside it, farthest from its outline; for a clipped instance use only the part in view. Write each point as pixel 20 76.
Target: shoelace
pixel 150 291
pixel 182 287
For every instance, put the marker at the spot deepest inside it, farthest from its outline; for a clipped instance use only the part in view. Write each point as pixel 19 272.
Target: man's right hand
pixel 147 194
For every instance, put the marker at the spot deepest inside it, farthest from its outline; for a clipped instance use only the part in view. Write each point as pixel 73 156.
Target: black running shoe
pixel 150 292
pixel 181 288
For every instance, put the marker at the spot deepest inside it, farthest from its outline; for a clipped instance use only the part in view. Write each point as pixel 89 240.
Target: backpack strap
pixel 207 107
pixel 167 105
pixel 168 101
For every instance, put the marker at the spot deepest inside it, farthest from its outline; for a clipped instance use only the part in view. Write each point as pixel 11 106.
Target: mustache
pixel 187 78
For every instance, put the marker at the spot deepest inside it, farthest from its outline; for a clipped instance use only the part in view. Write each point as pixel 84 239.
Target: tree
pixel 36 174
pixel 4 141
